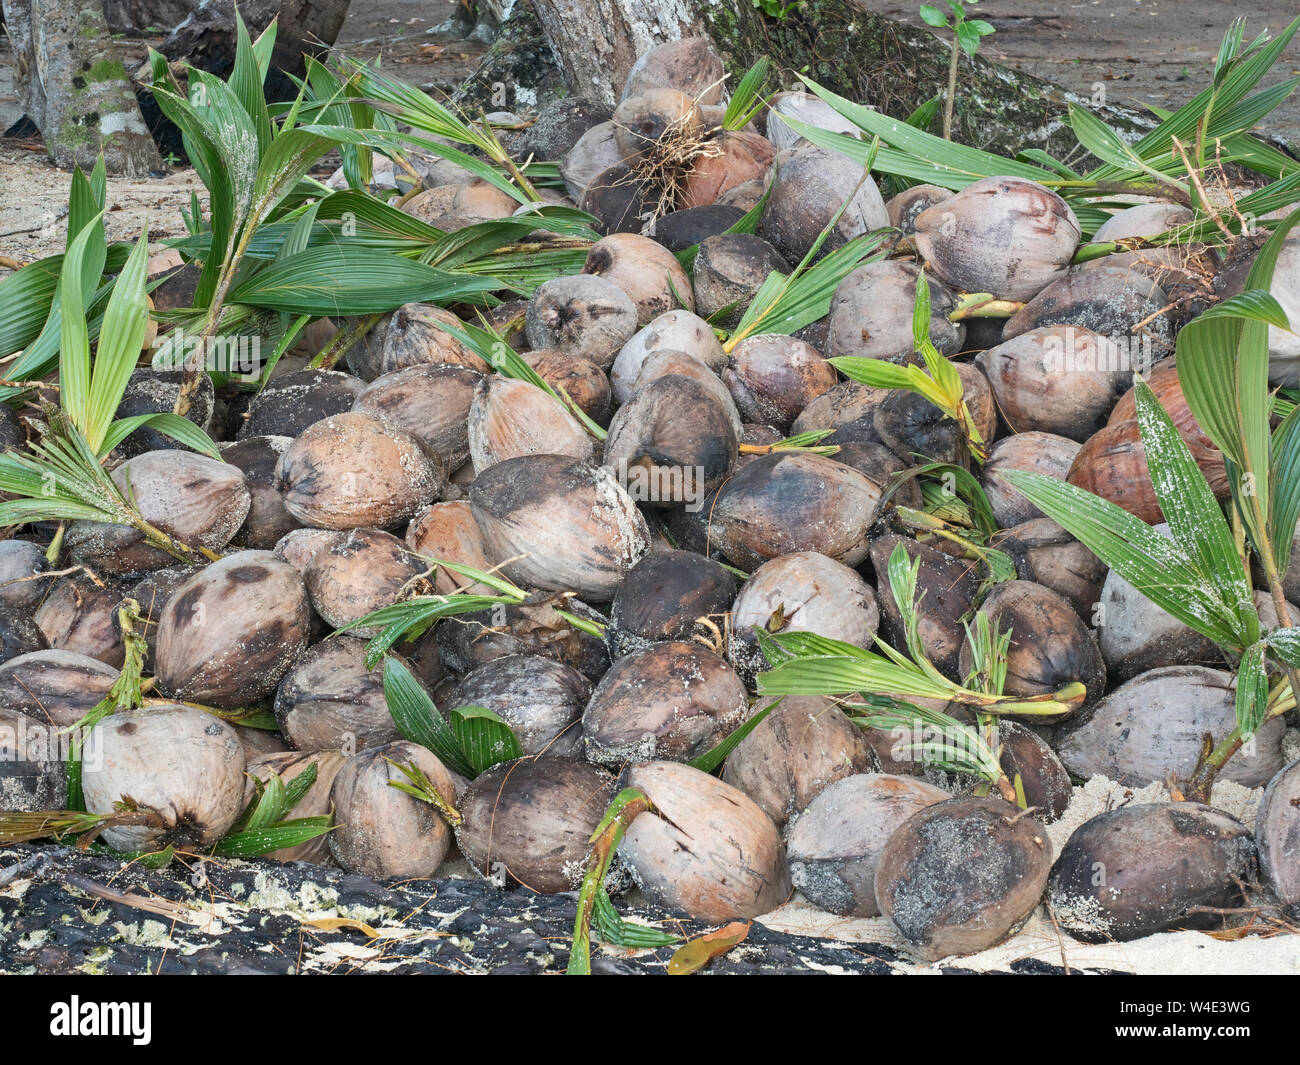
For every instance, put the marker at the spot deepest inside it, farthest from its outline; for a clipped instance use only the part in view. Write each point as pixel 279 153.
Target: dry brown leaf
pixel 695 954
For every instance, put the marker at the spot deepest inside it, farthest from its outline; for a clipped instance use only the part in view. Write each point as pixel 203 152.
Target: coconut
pixel 1050 646
pixel 800 592
pixel 288 765
pixel 1154 725
pixel 871 313
pixel 1048 555
pixel 533 627
pixel 903 208
pixel 834 846
pixel 641 121
pixel 183 766
pixel 19 635
pixel 793 501
pixel 331 700
pixel 1143 220
pixel 431 402
pixel 591 155
pixel 20 560
pixel 33 776
pixel 809 189
pixel 150 594
pixel 1112 301
pixel 1061 379
pixel 1043 453
pixel 1003 235
pixel 364 571
pixel 581 315
pixel 910 425
pixel 729 270
pixel 413 335
pixel 290 403
pixel 196 500
pixel 673 700
pixel 559 523
pixel 56 687
pixel 806 108
pixel 580 379
pixel 731 159
pixel 672 442
pixel 232 630
pixel 300 546
pixel 1139 870
pixel 772 378
pixel 1277 832
pixel 675 331
pixel 1284 345
pixel 540 699
pixel 622 199
pixel 560 122
pixel 804 744
pixel 679 230
pixel 1043 776
pixel 961 875
pixel 530 821
pixel 78 615
pixel 945 590
pixel 447 532
pixel 880 465
pixel 383 832
pixel 646 271
pixel 849 408
pixel 509 418
pixel 666 363
pixel 689 65
pixel 668 595
pixel 354 470
pixel 706 849
pixel 1136 635
pixel 154 391
pixel 257 457
pixel 745 196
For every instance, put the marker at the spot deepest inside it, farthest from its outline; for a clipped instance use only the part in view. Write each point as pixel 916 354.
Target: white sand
pixel 1167 953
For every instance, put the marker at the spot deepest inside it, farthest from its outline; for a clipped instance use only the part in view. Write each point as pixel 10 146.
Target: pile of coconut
pixel 670 542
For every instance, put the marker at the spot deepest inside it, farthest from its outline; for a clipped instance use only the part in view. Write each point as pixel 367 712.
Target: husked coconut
pixel 540 699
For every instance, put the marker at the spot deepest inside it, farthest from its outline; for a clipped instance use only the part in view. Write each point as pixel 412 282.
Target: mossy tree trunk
pixel 856 53
pixel 73 86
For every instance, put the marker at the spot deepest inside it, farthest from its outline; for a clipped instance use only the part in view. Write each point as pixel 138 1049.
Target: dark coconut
pixel 729 270
pixel 1045 553
pixel 1140 870
pixel 150 391
pixel 679 230
pixel 413 335
pixel 809 190
pixel 331 700
pixel 1277 832
pixel 33 774
pixel 540 699
pixel 580 379
pixel 911 425
pixel 961 875
pixel 772 378
pixel 80 615
pixel 530 821
pixel 673 701
pixel 793 501
pixel 1111 301
pixel 293 401
pixel 19 561
pixel 257 458
pixel 664 597
pixel 945 590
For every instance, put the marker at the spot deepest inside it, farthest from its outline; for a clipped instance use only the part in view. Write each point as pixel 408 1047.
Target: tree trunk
pixel 73 86
pixel 851 51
